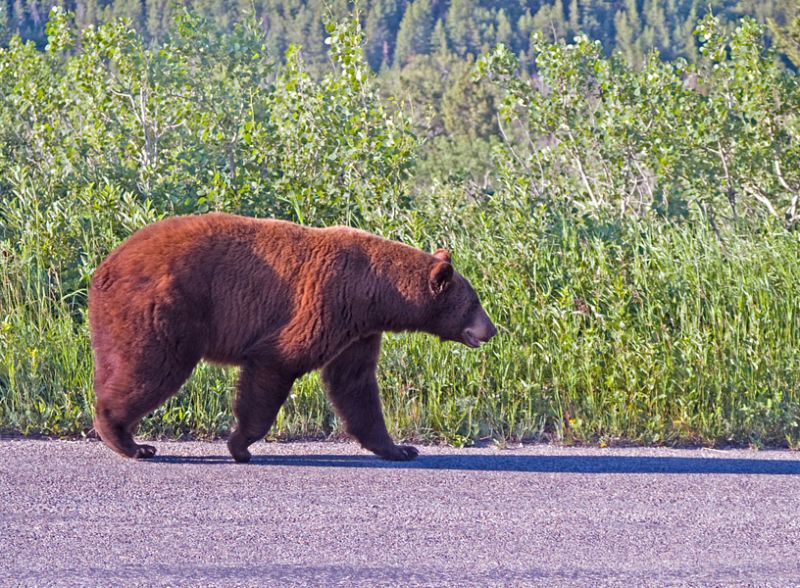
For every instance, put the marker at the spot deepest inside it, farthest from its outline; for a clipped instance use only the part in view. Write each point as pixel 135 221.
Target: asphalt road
pixel 329 514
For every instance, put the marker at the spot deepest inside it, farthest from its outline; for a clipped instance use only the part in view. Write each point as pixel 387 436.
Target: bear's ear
pixel 443 254
pixel 440 277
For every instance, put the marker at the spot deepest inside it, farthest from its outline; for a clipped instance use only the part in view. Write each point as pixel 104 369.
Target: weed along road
pixel 330 514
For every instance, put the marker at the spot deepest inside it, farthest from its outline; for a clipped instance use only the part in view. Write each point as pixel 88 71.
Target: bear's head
pixel 457 312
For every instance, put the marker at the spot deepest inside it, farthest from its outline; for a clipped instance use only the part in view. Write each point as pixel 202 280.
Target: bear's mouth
pixel 474 336
pixel 469 339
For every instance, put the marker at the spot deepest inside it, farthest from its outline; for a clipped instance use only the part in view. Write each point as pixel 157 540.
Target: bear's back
pixel 196 245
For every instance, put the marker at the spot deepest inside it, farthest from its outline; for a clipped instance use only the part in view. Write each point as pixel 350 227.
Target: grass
pixel 649 332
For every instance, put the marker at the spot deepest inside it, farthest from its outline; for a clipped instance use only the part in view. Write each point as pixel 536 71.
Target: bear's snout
pixel 480 331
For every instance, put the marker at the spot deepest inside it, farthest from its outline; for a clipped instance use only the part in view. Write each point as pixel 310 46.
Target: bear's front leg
pixel 261 393
pixel 353 390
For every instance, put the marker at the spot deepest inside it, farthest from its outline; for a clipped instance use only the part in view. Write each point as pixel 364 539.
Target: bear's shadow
pixel 577 464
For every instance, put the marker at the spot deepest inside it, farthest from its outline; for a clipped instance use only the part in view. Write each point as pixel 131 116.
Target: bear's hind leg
pixel 261 393
pixel 353 390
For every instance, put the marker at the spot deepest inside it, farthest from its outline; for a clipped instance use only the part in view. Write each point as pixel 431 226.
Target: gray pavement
pixel 329 514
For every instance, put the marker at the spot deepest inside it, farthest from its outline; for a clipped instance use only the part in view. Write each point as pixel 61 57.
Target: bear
pixel 277 300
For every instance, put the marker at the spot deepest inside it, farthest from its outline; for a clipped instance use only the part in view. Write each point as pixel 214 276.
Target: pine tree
pixel 380 28
pixel 462 29
pixel 37 14
pixel 85 13
pixel 376 33
pixel 647 39
pixel 574 22
pixel 525 27
pixel 3 24
pixel 468 107
pixel 439 44
pixel 656 20
pixel 686 43
pixel 624 37
pixel 155 22
pixel 550 20
pixel 18 17
pixel 632 11
pixel 504 33
pixel 787 38
pixel 627 32
pixel 597 20
pixel 414 36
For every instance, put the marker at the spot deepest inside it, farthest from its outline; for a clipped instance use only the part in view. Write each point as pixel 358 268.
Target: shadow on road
pixel 578 464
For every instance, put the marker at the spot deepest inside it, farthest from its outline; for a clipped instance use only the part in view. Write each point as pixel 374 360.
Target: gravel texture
pixel 72 513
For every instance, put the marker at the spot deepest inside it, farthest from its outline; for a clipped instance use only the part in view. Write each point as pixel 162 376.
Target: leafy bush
pixel 718 138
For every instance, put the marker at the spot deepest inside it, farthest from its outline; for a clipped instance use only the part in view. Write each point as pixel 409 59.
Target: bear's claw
pixel 144 452
pixel 238 452
pixel 400 453
pixel 243 457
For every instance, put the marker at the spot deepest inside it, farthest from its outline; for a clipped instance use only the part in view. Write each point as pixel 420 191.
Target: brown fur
pixel 275 298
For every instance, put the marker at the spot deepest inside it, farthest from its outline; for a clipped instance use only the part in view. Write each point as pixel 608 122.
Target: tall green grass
pixel 642 331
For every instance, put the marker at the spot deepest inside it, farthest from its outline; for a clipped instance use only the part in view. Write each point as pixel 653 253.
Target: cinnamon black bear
pixel 274 298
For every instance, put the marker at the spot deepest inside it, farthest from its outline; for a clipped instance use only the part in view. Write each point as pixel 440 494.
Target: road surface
pixel 329 514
